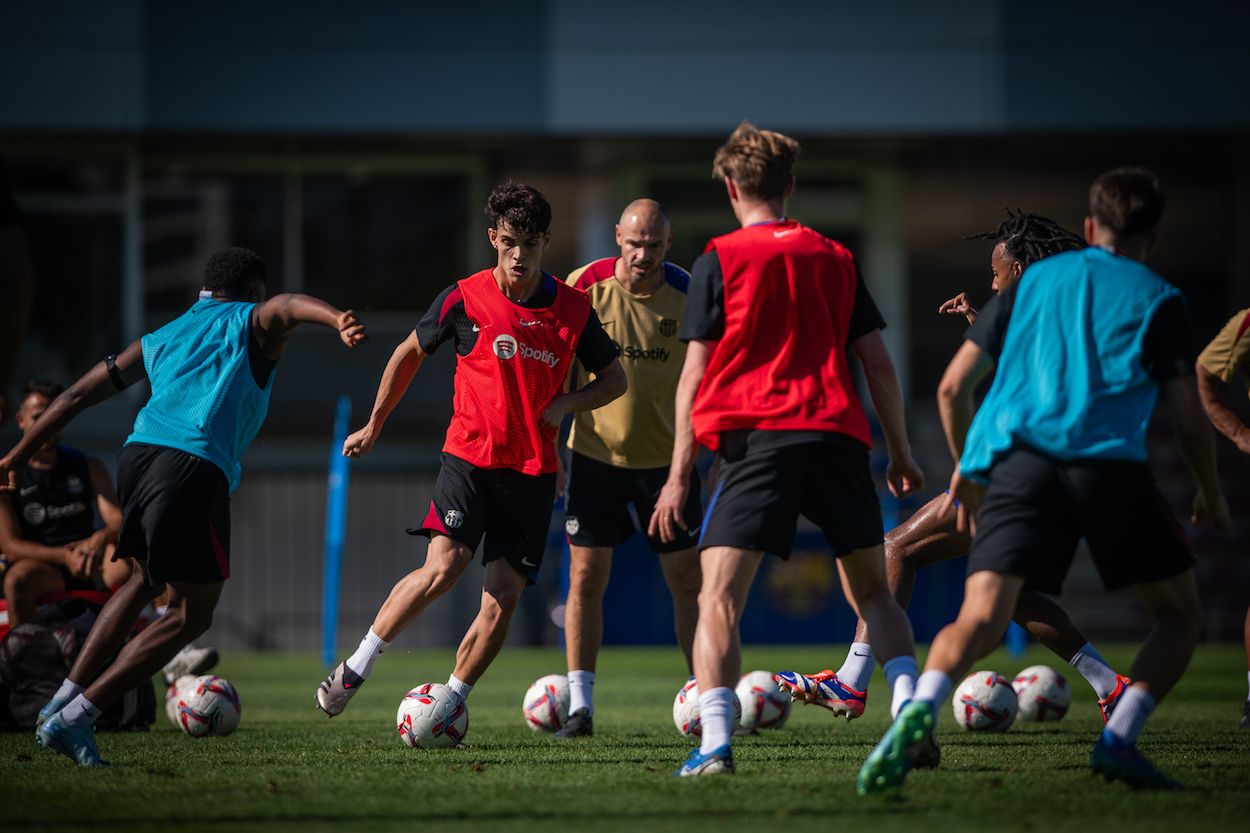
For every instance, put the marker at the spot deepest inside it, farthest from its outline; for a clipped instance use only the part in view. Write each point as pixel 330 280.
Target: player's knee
pixel 444 576
pixel 17 583
pixel 719 604
pixel 194 620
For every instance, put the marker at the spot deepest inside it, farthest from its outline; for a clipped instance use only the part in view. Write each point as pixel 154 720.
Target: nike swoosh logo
pixel 694 531
pixel 527 562
pixel 27 490
pixel 476 328
pixel 527 323
pixel 858 654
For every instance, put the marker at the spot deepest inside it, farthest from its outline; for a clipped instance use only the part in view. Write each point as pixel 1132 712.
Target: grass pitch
pixel 288 768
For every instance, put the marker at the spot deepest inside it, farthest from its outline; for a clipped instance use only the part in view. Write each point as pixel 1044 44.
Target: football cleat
pixel 1107 704
pixel 190 660
pixel 824 690
pixel 579 724
pixel 887 765
pixel 1116 760
pixel 926 754
pixel 336 689
pixel 49 708
pixel 77 742
pixel 720 760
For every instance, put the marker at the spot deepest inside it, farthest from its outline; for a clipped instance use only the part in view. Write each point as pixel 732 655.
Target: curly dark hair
pixel 1030 237
pixel 46 388
pixel 231 272
pixel 522 207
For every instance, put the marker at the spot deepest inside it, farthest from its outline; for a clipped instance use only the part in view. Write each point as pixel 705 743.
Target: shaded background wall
pixel 353 150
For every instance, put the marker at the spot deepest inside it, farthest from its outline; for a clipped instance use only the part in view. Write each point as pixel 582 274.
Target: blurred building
pixel 353 149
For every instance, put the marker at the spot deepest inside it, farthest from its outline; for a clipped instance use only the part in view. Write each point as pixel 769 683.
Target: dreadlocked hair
pixel 1030 237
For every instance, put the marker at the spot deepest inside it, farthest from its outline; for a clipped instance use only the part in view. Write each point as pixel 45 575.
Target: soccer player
pixel 211 371
pixel 929 536
pixel 774 309
pixel 516 331
pixel 1057 452
pixel 1228 355
pixel 621 452
pixel 47 525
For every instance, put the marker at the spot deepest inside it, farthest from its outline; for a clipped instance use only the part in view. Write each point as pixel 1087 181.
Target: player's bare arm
pixel 667 515
pixel 903 476
pixel 609 383
pixel 94 545
pixel 275 320
pixel 400 370
pixel 1211 392
pixel 98 384
pixel 956 407
pixel 959 305
pixel 1197 447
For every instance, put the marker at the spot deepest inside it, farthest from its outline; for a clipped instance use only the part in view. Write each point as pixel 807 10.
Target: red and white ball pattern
pixel 686 710
pixel 1042 692
pixel 206 706
pixel 432 716
pixel 546 703
pixel 764 705
pixel 985 702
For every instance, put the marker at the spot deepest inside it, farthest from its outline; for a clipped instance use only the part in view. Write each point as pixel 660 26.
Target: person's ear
pixel 1089 228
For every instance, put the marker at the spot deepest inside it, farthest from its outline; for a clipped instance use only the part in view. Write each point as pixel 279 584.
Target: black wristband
pixel 110 364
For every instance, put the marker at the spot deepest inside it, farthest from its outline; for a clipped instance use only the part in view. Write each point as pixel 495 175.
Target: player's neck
pixel 753 212
pixel 1135 248
pixel 518 291
pixel 648 284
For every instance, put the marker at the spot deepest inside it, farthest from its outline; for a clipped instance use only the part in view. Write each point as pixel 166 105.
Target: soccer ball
pixel 176 695
pixel 1043 693
pixel 432 716
pixel 763 704
pixel 209 705
pixel 546 703
pixel 686 710
pixel 985 702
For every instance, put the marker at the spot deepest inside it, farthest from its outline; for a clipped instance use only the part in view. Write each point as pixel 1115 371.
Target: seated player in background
pixel 774 311
pixel 516 331
pixel 211 371
pixel 1057 452
pixel 48 533
pixel 621 452
pixel 1227 356
pixel 929 536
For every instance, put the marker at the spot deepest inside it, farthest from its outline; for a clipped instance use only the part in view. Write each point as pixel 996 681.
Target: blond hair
pixel 760 162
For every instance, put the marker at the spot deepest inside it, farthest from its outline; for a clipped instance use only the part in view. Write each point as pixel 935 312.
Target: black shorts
pixel 599 495
pixel 175 515
pixel 513 511
pixel 768 478
pixel 1038 508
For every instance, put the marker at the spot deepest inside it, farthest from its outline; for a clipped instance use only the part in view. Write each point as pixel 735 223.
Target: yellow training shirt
pixel 1229 352
pixel 636 430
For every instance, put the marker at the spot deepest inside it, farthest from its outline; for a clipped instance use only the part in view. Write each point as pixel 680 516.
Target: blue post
pixel 1017 639
pixel 336 527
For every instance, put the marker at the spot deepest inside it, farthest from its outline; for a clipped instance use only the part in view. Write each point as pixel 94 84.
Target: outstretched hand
pixel 351 331
pixel 8 474
pixel 959 305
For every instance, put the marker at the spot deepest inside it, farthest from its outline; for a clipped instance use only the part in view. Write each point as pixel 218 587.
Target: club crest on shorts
pixel 668 327
pixel 505 346
pixel 571 525
pixel 453 519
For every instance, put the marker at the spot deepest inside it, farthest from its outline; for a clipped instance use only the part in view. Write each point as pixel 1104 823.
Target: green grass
pixel 287 768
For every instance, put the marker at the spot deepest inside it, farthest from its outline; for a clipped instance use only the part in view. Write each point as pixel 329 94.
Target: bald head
pixel 644 235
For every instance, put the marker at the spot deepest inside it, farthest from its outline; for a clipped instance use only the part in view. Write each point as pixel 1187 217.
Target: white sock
pixel 80 712
pixel 68 691
pixel 1130 714
pixel 1096 670
pixel 900 673
pixel 581 690
pixel 461 688
pixel 856 669
pixel 716 716
pixel 160 609
pixel 933 687
pixel 371 647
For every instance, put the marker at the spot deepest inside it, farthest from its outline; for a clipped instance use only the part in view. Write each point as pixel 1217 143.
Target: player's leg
pixel 589 569
pixel 115 572
pixel 501 591
pixel 727 575
pixel 684 578
pixel 1048 623
pixel 868 591
pixel 25 582
pixel 71 730
pixel 445 561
